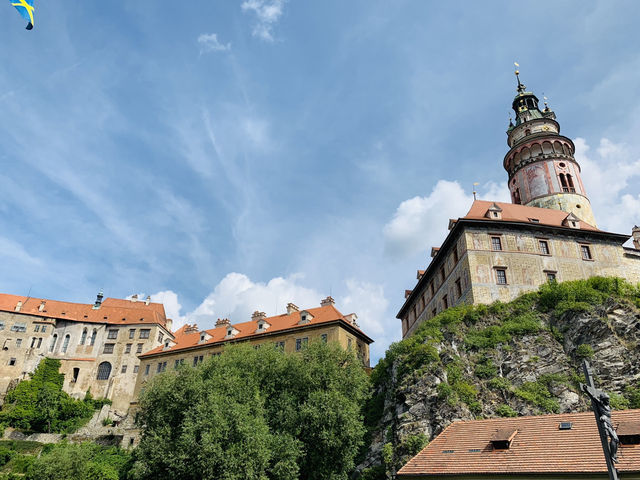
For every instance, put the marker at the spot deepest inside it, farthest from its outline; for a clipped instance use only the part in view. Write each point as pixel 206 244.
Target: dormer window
pixel 262 326
pixel 502 439
pixel 229 332
pixel 305 317
pixel 202 336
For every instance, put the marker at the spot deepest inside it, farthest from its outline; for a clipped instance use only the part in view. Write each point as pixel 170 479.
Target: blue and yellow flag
pixel 25 7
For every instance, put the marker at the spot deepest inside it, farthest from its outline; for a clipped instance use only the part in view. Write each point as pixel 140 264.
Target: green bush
pixel 505 410
pixel 40 405
pixel 632 393
pixel 5 455
pixel 584 351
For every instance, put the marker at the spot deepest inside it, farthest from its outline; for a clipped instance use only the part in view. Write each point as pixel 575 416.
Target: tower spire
pixel 521 87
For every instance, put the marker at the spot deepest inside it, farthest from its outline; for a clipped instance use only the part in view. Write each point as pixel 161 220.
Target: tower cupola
pixel 542 169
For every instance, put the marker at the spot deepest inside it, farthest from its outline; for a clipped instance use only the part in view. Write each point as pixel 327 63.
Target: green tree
pixel 254 414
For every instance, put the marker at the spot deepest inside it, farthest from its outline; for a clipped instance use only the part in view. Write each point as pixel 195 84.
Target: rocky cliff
pixel 521 358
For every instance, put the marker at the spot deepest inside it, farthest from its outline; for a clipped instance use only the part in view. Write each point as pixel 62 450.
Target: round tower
pixel 542 169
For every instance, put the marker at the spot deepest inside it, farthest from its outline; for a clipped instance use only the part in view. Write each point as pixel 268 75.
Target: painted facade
pixel 498 251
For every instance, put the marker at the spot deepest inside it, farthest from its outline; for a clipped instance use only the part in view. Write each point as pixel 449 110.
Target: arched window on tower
pixel 572 188
pixel 83 338
pixel 563 182
pixel 516 196
pixel 93 337
pixel 104 370
pixel 53 342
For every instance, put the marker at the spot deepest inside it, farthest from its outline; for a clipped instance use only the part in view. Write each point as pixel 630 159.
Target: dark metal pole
pixel 613 473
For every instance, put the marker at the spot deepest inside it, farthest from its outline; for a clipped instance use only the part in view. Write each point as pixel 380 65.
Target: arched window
pixel 563 182
pixel 65 343
pixel 53 342
pixel 93 337
pixel 33 342
pixel 572 188
pixel 83 338
pixel 104 370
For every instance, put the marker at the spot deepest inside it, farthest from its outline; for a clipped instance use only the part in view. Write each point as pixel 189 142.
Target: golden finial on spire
pixel 521 87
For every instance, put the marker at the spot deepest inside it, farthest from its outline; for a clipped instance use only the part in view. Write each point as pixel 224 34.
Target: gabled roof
pixel 539 447
pixel 113 311
pixel 512 212
pixel 188 337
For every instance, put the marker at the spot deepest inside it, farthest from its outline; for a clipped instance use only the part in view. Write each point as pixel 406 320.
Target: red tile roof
pixel 189 337
pixel 538 447
pixel 512 212
pixel 112 310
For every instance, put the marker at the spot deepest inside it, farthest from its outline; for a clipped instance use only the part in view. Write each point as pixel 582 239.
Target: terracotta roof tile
pixel 112 311
pixel 512 212
pixel 188 337
pixel 538 447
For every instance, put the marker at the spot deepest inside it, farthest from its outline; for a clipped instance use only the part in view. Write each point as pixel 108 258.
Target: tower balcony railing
pixel 568 189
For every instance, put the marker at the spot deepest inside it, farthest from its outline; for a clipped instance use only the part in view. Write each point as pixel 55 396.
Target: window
pixel 501 276
pixel 93 337
pixel 496 243
pixel 301 342
pixel 455 254
pixel 104 370
pixel 112 334
pixel 19 327
pixel 445 302
pixel 349 341
pixel 586 252
pixel 176 363
pixel 53 342
pixel 551 276
pixel 324 337
pixel 135 369
pixel 65 343
pixel 146 370
pixel 12 362
pixel 159 367
pixel 19 342
pixel 280 345
pixel 160 336
pixel 132 333
pixel 144 333
pixel 164 366
pixel 33 342
pixel 434 312
pixel 124 369
pixel 195 361
pixel 39 342
pixel 76 372
pixel 1 325
pixel 44 328
pixel 108 348
pixel 139 348
pixel 83 338
pixel 458 288
pixel 544 247
pixel 442 274
pixel 36 328
pixel 127 348
pixel 432 289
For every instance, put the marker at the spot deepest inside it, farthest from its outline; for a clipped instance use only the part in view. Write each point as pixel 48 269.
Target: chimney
pixel 258 316
pixel 292 308
pixel 134 297
pixel 147 300
pixel 327 301
pixel 222 322
pixel 41 307
pixel 99 298
pixel 191 328
pixel 18 306
pixel 636 237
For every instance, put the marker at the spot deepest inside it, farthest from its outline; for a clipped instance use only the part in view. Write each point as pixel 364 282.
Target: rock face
pixel 530 371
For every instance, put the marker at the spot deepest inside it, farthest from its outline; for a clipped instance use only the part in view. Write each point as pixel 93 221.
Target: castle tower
pixel 542 169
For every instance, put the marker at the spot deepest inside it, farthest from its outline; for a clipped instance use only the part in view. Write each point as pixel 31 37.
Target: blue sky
pixel 230 156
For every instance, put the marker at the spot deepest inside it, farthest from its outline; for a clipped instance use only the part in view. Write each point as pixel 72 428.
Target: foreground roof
pixel 538 447
pixel 188 336
pixel 113 311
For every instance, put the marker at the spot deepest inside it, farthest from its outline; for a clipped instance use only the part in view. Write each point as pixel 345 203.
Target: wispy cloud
pixel 209 43
pixel 268 12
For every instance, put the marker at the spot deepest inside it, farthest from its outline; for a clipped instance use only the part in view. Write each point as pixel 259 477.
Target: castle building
pixel 565 446
pixel 291 332
pixel 498 251
pixel 97 344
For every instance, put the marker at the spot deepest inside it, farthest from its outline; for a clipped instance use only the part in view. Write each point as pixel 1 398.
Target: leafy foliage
pixel 40 405
pixel 584 351
pixel 86 461
pixel 255 414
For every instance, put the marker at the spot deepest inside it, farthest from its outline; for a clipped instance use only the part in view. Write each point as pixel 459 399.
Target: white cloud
pixel 209 43
pixel 172 307
pixel 268 12
pixel 608 174
pixel 421 222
